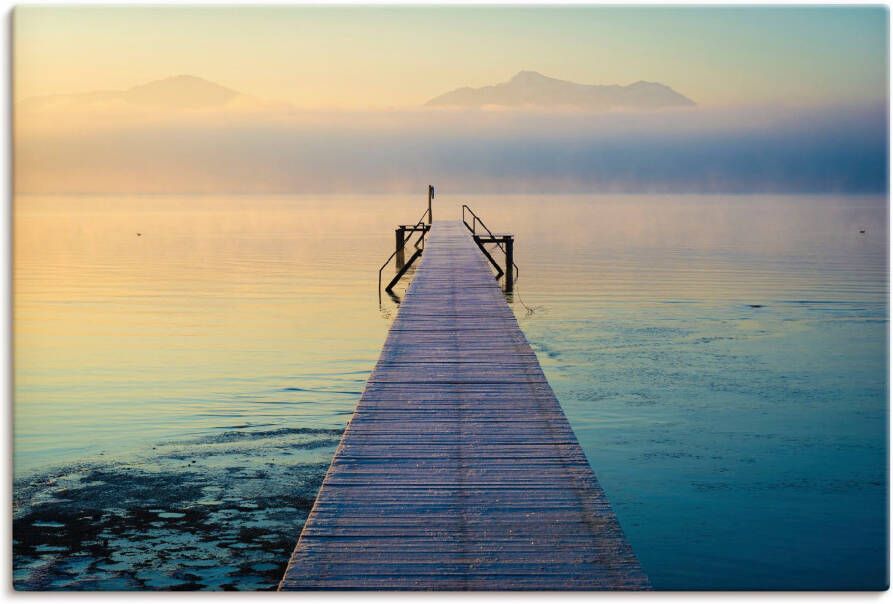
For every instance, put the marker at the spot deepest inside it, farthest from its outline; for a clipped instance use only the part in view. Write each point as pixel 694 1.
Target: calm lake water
pixel 184 367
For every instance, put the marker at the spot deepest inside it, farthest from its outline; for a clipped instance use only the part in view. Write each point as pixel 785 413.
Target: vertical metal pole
pixel 509 263
pixel 430 197
pixel 399 236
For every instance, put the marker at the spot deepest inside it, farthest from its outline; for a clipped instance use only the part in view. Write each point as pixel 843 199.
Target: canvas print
pixel 450 297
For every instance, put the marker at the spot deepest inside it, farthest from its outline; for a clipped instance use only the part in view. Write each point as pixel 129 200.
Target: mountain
pixel 181 92
pixel 177 92
pixel 532 89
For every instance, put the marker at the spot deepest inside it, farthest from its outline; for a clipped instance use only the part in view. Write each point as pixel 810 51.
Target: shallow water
pixel 184 366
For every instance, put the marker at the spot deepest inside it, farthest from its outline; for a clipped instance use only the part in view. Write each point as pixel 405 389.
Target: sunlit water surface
pixel 184 368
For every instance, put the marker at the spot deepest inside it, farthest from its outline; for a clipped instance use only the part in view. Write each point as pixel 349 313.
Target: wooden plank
pixel 458 469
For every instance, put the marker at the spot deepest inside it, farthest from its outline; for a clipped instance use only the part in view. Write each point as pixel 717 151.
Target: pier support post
pixel 399 233
pixel 509 263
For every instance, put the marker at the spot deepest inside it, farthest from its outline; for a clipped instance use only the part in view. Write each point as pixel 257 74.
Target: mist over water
pixel 774 149
pixel 185 365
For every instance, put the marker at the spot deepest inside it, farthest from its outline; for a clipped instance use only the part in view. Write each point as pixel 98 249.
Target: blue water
pixel 723 361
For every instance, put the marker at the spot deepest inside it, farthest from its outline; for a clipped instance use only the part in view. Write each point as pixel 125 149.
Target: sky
pixel 353 57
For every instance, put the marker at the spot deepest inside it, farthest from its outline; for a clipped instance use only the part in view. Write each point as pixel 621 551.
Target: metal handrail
pixel 473 228
pixel 420 239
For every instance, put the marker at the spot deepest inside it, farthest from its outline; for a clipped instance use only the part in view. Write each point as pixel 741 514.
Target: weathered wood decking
pixel 459 469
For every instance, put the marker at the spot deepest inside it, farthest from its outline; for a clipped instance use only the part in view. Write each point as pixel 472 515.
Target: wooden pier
pixel 459 469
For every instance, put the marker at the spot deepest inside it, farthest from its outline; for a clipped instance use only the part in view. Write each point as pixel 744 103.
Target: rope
pixel 530 309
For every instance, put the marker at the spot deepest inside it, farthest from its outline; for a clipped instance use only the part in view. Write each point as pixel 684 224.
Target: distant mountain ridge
pixel 532 89
pixel 176 92
pixel 183 91
pixel 527 89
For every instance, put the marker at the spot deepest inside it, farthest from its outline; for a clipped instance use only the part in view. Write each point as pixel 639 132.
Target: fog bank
pixel 831 149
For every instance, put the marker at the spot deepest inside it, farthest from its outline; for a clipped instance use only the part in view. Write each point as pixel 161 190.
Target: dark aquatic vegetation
pixel 227 519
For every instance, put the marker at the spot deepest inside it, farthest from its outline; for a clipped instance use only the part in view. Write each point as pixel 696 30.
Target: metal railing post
pixel 509 263
pixel 430 198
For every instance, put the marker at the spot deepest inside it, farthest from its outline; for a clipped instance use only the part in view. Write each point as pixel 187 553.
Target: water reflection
pixel 180 393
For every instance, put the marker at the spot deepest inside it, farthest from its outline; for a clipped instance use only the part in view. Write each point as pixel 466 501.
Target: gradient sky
pixel 380 57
